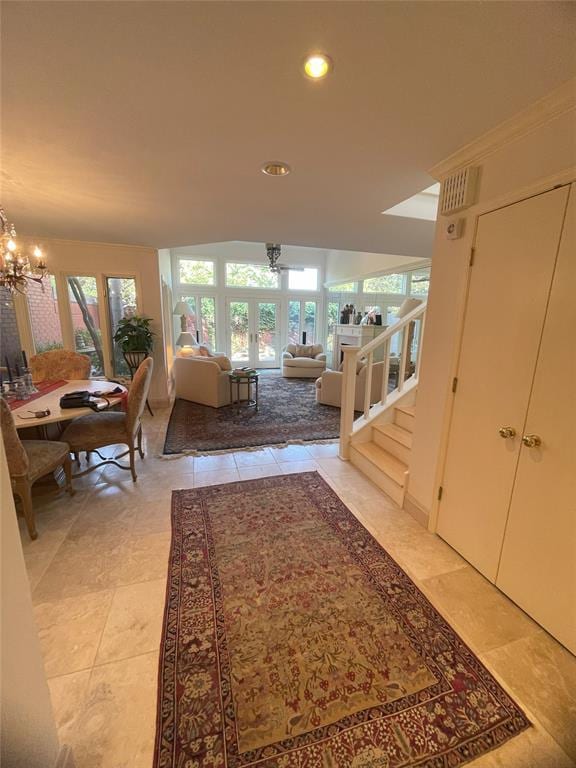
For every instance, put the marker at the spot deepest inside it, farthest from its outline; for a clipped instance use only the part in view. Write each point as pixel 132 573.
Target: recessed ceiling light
pixel 317 66
pixel 276 169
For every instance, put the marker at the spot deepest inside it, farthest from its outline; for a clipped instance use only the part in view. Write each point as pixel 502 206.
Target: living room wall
pixel 343 266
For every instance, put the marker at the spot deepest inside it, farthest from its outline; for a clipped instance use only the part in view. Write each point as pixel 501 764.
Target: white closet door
pixel 538 564
pixel 514 261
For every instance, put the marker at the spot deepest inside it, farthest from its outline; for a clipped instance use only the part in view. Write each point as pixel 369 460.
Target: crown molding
pixel 553 105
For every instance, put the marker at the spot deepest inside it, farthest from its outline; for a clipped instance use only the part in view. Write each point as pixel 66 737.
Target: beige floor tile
pixel 305 465
pixel 215 477
pixel 254 458
pixel 266 470
pixel 81 567
pixel 291 453
pixel 541 673
pixel 322 450
pixel 115 727
pixel 134 623
pixel 37 565
pixel 533 748
pixel 68 694
pixel 210 463
pixel 146 559
pixel 70 631
pixel 154 517
pixel 481 613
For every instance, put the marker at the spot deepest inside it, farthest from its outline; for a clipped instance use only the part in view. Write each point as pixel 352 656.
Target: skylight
pixel 423 205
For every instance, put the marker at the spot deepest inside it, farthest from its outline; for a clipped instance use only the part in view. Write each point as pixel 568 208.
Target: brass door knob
pixel 507 432
pixel 531 441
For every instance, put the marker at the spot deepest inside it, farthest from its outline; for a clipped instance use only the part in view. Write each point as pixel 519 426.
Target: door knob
pixel 531 441
pixel 507 432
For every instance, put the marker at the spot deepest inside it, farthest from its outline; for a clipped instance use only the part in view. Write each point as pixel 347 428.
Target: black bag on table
pixel 83 399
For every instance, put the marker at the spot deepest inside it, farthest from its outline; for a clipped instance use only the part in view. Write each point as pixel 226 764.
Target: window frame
pixel 230 287
pixel 316 288
pixel 212 286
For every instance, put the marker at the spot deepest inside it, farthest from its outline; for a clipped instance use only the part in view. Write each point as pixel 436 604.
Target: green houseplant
pixel 135 339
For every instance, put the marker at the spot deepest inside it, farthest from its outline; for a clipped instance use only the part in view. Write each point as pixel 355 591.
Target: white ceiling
pixel 148 122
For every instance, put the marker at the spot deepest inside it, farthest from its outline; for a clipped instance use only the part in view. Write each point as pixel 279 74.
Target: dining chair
pixel 97 430
pixel 29 460
pixel 59 364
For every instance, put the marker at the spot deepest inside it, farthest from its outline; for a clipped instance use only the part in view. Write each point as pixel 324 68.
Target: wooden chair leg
pixel 67 464
pixel 133 461
pixel 139 436
pixel 149 409
pixel 24 490
pixel 77 457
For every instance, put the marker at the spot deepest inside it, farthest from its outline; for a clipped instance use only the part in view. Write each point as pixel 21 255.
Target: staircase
pixel 385 458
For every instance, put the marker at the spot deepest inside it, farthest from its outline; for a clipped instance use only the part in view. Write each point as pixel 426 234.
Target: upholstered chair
pixel 28 460
pixel 97 430
pixel 205 380
pixel 329 386
pixel 59 364
pixel 303 361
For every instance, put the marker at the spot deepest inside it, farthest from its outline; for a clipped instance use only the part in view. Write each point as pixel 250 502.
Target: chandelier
pixel 15 267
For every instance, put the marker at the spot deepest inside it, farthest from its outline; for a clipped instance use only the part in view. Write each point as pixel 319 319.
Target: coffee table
pixel 249 379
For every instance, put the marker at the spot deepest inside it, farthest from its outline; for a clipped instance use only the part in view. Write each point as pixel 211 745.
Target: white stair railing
pixel 411 333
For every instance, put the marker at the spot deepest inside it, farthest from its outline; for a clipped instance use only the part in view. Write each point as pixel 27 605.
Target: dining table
pixel 23 414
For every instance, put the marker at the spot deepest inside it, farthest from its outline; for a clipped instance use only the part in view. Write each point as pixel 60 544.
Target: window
pixel 201 322
pixel 420 282
pixel 333 319
pixel 250 276
pixel 294 322
pixel 309 327
pixel 121 304
pixel 303 279
pixel 208 321
pixel 196 272
pixel 85 313
pixel 386 284
pixel 44 315
pixel 343 288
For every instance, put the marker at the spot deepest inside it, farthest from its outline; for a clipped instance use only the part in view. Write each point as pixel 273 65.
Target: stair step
pixel 384 461
pixel 393 439
pixel 404 416
pixel 395 432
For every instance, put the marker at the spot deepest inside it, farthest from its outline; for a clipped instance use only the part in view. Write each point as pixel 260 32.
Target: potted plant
pixel 135 339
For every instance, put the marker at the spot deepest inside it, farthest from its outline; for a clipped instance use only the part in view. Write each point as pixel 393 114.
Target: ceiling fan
pixel 274 251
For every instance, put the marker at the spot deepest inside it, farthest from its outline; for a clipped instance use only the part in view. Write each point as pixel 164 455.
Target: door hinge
pixel 454 384
pixel 440 491
pixel 472 255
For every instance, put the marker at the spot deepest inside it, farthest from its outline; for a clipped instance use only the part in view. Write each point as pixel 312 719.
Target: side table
pixel 249 379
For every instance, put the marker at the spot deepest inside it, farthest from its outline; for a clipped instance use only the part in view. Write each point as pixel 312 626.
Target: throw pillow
pixel 222 361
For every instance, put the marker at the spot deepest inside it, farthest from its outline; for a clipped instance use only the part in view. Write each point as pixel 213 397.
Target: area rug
pixel 292 639
pixel 287 412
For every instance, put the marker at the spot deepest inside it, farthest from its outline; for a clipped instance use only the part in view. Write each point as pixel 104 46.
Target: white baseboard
pixel 65 758
pixel 415 510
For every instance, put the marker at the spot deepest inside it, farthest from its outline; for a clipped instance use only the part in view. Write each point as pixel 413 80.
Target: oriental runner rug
pixel 291 638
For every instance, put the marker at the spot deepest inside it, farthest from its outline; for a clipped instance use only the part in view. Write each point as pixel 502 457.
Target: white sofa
pixel 329 386
pixel 204 380
pixel 303 361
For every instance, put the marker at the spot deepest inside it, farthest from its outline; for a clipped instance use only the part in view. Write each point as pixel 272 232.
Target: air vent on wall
pixel 458 191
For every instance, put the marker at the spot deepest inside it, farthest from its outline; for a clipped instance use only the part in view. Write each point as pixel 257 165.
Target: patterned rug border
pixel 222 451
pixel 467 750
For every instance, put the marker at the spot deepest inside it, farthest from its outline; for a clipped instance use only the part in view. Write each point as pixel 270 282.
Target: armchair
pixel 303 361
pixel 204 380
pixel 329 386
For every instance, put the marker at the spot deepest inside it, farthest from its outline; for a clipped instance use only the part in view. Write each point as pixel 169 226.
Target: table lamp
pixel 183 310
pixel 186 339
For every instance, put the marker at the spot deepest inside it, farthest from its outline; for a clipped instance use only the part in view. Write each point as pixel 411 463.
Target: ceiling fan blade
pixel 291 269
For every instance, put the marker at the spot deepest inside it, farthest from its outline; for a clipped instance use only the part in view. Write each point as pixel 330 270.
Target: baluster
pixel 368 384
pixel 348 398
pixel 403 359
pixel 385 373
pixel 419 350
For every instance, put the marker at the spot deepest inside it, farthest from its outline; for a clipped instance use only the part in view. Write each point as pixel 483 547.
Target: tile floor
pixel 97 573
